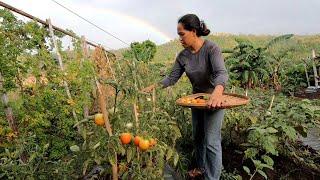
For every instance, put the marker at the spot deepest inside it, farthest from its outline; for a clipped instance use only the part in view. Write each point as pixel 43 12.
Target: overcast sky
pixel 138 20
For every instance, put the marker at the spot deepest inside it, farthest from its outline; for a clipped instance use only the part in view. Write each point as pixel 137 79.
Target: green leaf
pixel 227 51
pixel 269 143
pixel 33 156
pixel 263 174
pixel 176 130
pixel 251 152
pixel 169 154
pixel 245 76
pixel 129 155
pixel 268 160
pixel 256 163
pixel 253 119
pixel 122 150
pixel 96 146
pixel 175 159
pixel 46 146
pixel 271 130
pixel 112 159
pixel 265 166
pixel 85 166
pixel 278 39
pixel 290 132
pixel 246 169
pixel 74 148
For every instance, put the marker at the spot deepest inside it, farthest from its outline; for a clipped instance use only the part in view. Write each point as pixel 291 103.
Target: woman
pixel 204 65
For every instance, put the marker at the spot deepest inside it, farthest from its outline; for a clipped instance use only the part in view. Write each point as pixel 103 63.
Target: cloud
pixel 139 20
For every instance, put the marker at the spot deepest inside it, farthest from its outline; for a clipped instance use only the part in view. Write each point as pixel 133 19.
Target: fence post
pixel 316 82
pixel 8 109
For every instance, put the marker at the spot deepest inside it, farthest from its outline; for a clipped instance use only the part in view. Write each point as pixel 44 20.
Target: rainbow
pixel 131 19
pixel 142 23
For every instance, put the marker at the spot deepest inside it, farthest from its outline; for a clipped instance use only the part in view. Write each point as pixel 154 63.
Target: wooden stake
pixel 154 99
pixel 8 109
pixel 103 107
pixel 315 69
pixel 99 61
pixel 306 71
pixel 115 168
pixel 271 103
pixel 62 69
pixel 135 111
pixel 84 47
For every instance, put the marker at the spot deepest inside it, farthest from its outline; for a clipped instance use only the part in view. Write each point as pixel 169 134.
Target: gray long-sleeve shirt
pixel 205 69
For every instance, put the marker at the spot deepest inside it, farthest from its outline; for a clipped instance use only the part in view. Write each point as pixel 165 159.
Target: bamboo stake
pixel 62 69
pixel 315 69
pixel 102 93
pixel 84 47
pixel 135 111
pixel 269 109
pixel 8 109
pixel 103 107
pixel 154 99
pixel 115 168
pixel 305 69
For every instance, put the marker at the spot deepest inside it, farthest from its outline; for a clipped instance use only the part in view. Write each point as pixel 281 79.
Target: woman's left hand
pixel 216 99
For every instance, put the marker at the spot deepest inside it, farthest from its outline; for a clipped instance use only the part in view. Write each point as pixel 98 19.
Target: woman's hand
pixel 216 100
pixel 148 89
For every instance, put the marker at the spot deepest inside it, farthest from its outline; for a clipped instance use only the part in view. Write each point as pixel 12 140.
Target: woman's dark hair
pixel 192 22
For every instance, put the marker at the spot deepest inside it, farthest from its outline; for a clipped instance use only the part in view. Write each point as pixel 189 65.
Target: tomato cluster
pixel 142 143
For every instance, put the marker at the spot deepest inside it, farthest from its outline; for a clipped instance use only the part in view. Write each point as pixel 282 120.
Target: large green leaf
pixel 263 174
pixel 279 39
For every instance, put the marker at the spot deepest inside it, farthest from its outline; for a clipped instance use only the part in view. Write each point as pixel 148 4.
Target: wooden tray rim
pixel 202 106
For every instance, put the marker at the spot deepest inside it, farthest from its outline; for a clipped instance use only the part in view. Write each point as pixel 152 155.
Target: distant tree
pixel 143 51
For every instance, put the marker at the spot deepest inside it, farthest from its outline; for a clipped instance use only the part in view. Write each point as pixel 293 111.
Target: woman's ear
pixel 194 32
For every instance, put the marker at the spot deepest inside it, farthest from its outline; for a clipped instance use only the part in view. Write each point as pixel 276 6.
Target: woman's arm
pixel 216 97
pixel 174 76
pixel 220 77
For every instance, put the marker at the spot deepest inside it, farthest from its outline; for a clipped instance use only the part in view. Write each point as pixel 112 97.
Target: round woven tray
pixel 229 100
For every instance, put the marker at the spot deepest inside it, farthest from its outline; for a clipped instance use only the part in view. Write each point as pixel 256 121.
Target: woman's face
pixel 187 38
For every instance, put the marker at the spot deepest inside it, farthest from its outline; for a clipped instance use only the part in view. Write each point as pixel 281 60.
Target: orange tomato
pixel 144 144
pixel 194 101
pixel 152 142
pixel 125 138
pixel 98 119
pixel 201 101
pixel 136 140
